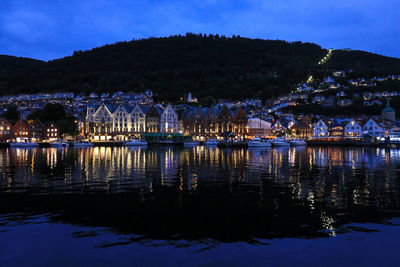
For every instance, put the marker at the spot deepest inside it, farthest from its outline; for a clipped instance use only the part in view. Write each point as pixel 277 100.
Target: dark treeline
pixel 206 65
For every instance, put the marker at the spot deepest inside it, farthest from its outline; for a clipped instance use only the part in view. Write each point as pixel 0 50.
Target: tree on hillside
pixel 12 113
pixel 55 113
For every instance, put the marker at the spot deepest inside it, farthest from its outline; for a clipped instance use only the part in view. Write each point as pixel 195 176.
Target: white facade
pixel 258 123
pixel 138 119
pixel 321 129
pixel 352 129
pixel 121 120
pixel 102 114
pixel 372 128
pixel 169 120
pixel 258 126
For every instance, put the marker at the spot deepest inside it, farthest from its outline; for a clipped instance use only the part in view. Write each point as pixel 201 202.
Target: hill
pixel 11 67
pixel 209 66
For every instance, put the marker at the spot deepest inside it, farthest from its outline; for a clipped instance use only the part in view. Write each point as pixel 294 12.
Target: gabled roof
pixel 153 112
pixel 240 114
pixel 112 107
pixel 38 122
pixel 22 123
pixel 145 108
pixel 106 106
pixel 224 112
pixel 4 121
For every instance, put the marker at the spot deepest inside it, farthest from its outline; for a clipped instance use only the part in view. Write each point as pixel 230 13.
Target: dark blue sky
pixel 49 29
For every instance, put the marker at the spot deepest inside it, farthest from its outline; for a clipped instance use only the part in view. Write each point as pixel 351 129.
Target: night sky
pixel 50 29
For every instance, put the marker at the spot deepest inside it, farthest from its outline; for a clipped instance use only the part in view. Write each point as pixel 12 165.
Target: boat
pixel 297 142
pixel 135 143
pixel 259 142
pixel 190 143
pixel 23 144
pixel 83 144
pixel 59 143
pixel 211 142
pixel 280 142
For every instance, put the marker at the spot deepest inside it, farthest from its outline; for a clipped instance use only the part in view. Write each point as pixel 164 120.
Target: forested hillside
pixel 209 66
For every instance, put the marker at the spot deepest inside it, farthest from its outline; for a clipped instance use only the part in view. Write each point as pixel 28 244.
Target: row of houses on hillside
pixel 23 131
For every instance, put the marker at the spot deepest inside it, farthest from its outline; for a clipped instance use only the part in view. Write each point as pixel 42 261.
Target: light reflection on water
pixel 266 192
pixel 317 171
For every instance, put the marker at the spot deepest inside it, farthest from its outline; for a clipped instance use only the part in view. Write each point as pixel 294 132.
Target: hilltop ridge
pixel 209 66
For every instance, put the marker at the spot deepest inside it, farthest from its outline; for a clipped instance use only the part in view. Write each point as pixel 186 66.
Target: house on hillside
pixel 344 102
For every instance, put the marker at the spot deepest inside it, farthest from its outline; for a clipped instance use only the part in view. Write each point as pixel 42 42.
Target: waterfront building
pixel 352 129
pixel 5 130
pixel 374 129
pixel 52 132
pixel 224 121
pixel 21 131
pixel 336 127
pixel 239 123
pixel 169 120
pixel 258 126
pixel 138 123
pixel 99 122
pixel 321 129
pixel 37 131
pixel 152 120
pixel 302 129
pixel 121 123
pixel 278 128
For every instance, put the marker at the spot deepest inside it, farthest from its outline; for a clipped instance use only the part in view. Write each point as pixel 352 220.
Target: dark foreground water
pixel 199 206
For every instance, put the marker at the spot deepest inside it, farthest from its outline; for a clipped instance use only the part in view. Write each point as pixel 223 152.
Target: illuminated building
pixel 5 130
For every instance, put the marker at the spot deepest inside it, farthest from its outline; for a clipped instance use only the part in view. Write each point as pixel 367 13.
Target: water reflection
pixel 203 192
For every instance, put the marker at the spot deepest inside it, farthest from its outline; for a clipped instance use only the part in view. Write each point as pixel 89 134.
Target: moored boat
pixel 259 142
pixel 280 142
pixel 23 144
pixel 59 143
pixel 135 143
